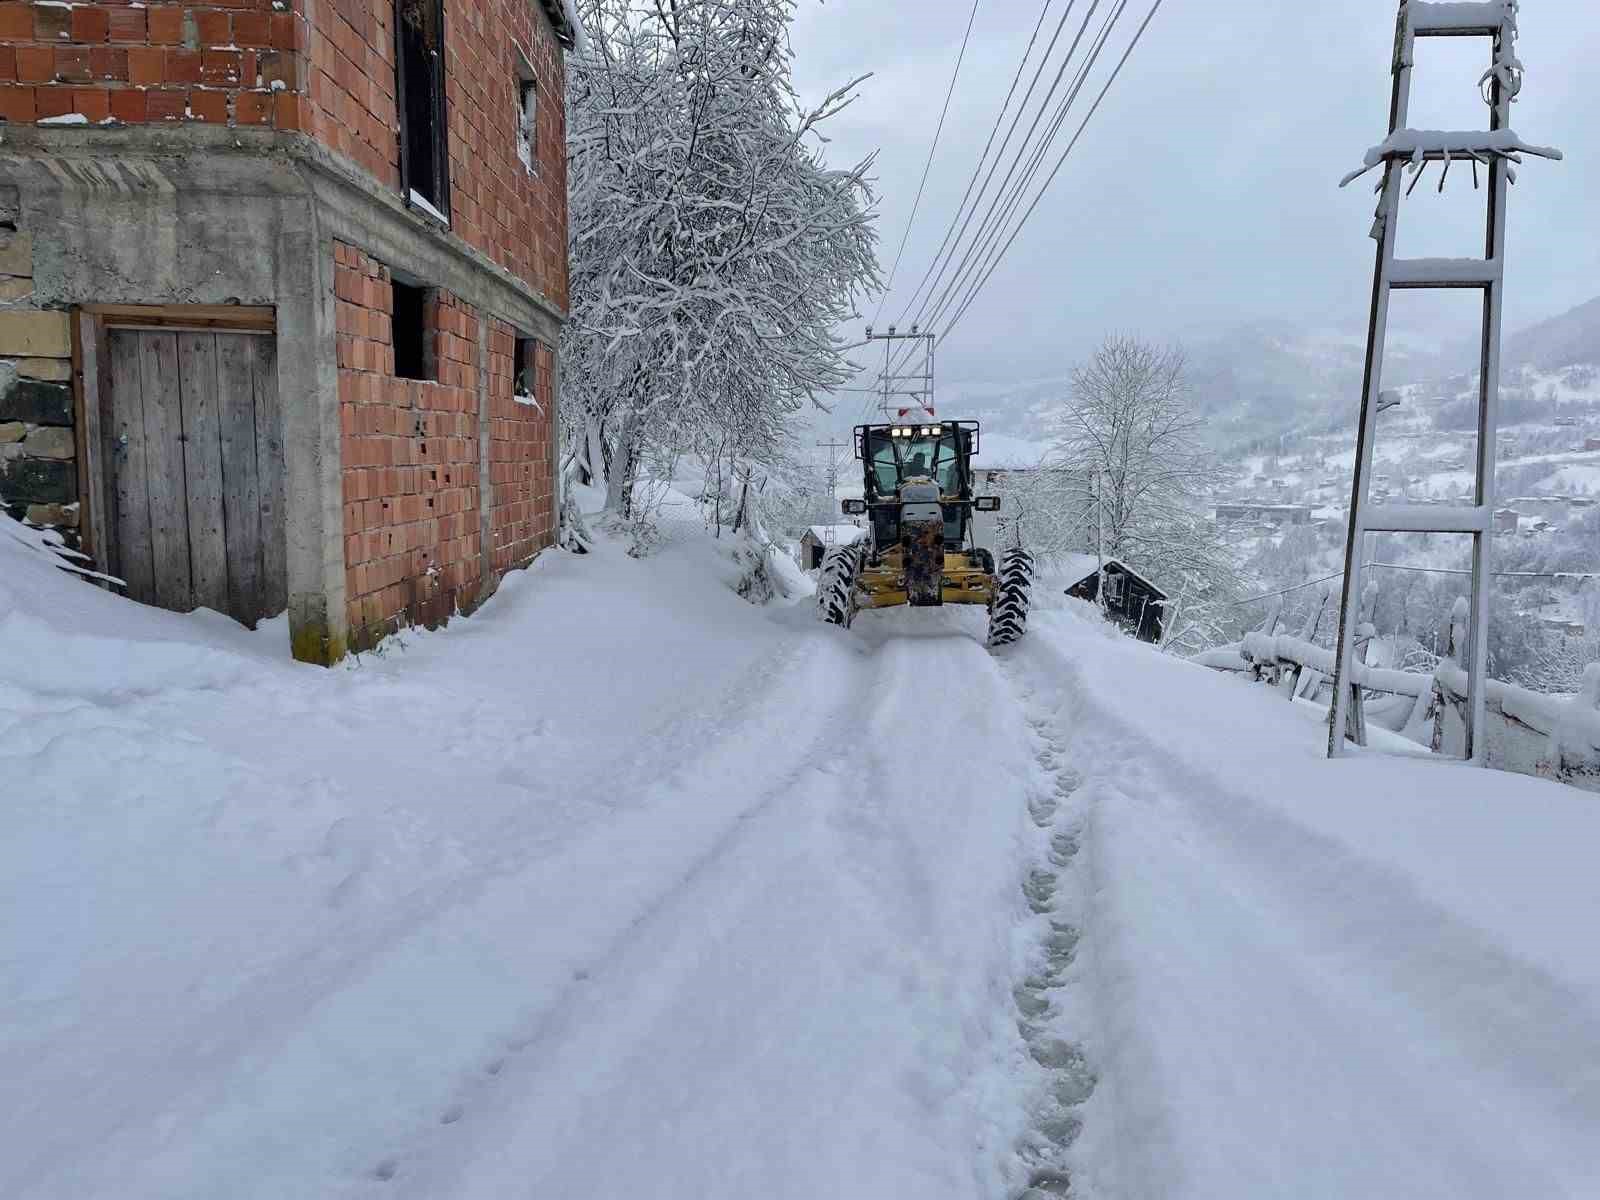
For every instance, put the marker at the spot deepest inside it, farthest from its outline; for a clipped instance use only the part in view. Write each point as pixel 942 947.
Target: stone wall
pixel 38 468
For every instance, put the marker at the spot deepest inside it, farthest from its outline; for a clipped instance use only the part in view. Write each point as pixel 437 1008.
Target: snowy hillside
pixel 1570 339
pixel 625 887
pixel 1256 382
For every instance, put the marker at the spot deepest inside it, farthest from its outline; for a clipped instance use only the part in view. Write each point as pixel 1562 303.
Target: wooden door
pixel 195 466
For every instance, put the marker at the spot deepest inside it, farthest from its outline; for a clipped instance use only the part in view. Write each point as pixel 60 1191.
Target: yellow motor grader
pixel 922 546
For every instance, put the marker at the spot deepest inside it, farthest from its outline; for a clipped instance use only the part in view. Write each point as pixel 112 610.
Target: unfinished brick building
pixel 281 287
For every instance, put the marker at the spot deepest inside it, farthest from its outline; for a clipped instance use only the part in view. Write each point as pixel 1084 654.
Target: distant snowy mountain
pixel 1571 339
pixel 1259 381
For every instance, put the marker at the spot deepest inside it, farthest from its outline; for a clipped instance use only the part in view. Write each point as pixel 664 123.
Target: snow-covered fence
pixel 1400 701
pixel 1531 733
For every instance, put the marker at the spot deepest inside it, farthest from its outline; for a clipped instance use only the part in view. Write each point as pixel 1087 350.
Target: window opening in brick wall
pixel 525 364
pixel 419 72
pixel 413 343
pixel 527 112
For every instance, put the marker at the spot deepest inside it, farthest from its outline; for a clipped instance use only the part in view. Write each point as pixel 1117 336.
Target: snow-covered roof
pixel 1078 567
pixel 1001 452
pixel 841 535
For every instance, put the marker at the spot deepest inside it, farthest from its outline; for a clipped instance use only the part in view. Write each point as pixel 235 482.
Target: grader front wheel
pixel 836 587
pixel 1008 617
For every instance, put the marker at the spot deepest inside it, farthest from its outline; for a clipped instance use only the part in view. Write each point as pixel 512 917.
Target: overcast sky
pixel 1205 191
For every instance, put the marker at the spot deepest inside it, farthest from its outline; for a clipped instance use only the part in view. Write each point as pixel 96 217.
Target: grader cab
pixel 922 546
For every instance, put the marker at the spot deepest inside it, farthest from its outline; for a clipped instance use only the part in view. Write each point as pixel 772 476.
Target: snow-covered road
pixel 624 888
pixel 816 1006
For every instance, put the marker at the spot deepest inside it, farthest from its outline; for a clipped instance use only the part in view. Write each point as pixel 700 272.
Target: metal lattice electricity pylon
pixel 905 386
pixel 834 447
pixel 1497 148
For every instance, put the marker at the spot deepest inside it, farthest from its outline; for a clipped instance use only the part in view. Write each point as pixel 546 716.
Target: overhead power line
pixel 977 170
pixel 995 223
pixel 981 257
pixel 923 183
pixel 1054 170
pixel 957 253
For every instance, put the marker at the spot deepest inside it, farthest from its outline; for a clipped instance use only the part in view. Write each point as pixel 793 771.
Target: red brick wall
pixel 351 84
pixel 222 61
pixel 516 217
pixel 522 516
pixel 245 62
pixel 410 454
pixel 410 459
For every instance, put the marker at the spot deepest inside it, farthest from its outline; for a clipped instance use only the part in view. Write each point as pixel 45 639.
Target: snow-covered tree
pixel 1131 426
pixel 1048 509
pixel 713 251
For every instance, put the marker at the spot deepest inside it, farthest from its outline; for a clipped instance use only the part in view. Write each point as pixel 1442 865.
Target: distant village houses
pixel 1244 512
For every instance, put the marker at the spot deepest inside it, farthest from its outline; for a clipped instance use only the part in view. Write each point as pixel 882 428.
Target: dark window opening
pixel 419 69
pixel 528 121
pixel 413 348
pixel 524 360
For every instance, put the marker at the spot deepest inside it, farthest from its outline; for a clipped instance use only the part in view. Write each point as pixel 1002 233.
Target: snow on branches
pixel 713 250
pixel 1131 427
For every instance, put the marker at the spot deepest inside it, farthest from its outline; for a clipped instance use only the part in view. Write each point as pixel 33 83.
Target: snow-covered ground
pixel 625 887
pixel 1375 977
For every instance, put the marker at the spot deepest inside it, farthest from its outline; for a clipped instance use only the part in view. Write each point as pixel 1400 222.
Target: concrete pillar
pixel 487 580
pixel 308 391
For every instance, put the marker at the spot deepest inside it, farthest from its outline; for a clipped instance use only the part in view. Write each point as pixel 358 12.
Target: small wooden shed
pixel 1133 601
pixel 815 541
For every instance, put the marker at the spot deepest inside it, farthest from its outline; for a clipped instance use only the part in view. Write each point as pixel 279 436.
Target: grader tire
pixel 1008 618
pixel 836 603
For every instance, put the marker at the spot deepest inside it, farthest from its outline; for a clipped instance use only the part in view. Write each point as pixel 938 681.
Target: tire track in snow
pixel 812 1005
pixel 534 1049
pixel 266 1081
